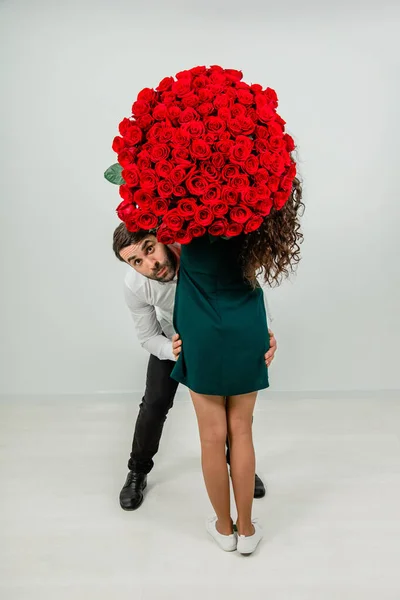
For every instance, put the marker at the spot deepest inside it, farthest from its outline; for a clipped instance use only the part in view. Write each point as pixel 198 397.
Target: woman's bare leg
pixel 239 415
pixel 211 418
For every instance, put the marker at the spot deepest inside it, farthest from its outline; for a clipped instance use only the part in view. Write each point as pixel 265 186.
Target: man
pixel 149 293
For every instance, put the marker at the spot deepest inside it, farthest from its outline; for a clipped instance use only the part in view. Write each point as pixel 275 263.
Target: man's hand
pixel 269 356
pixel 176 345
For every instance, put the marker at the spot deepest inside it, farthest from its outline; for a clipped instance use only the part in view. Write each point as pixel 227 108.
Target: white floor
pixel 331 516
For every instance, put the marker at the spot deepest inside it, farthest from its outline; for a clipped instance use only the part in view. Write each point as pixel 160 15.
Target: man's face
pixel 151 259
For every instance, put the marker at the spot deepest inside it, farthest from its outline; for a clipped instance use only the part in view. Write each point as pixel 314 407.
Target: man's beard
pixel 170 266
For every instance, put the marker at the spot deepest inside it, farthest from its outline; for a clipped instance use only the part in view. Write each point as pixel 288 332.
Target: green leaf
pixel 113 174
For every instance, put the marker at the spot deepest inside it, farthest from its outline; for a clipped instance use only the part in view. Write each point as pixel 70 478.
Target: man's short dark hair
pixel 124 238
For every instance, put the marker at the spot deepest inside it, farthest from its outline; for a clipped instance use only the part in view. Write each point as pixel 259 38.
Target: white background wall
pixel 71 72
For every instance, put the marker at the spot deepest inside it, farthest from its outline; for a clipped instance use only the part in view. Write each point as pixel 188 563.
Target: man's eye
pixel 137 262
pixel 150 248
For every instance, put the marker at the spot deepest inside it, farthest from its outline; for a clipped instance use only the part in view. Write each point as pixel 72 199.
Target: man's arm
pixel 148 329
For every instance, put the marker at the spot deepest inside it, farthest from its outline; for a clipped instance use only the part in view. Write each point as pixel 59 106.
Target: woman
pixel 205 161
pixel 220 316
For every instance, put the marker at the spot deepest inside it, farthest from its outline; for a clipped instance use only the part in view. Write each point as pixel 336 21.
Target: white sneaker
pixel 247 544
pixel 228 543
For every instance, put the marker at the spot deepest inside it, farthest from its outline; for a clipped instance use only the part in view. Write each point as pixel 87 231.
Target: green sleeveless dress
pixel 221 320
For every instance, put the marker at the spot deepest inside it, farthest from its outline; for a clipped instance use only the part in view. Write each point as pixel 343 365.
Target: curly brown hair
pixel 275 246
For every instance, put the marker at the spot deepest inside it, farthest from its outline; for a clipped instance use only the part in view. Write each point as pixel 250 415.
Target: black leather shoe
pixel 131 496
pixel 259 488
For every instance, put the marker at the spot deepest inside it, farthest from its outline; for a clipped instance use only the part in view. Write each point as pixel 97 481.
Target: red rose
pixel 147 221
pixel 224 146
pixel 200 150
pixel 142 199
pixel 181 156
pixel 256 87
pixel 290 145
pixel 273 183
pixel 229 196
pixel 205 109
pixel 218 227
pixel 133 135
pixel 160 112
pixel 118 144
pixel 212 195
pixel 240 182
pixel 159 152
pixel 263 207
pixel 225 114
pixel 239 153
pixel 160 207
pixel 280 199
pixel 274 128
pixel 218 160
pixel 204 216
pixel 205 95
pixel 265 113
pixel 250 197
pixel 190 99
pixel 261 145
pixel 238 110
pixel 266 159
pixel 163 168
pixel 165 188
pixel 143 161
pixel 253 223
pixel 165 235
pixel 234 229
pixel 181 137
pixel 145 122
pixel 174 112
pixel 245 97
pixel 275 143
pixel 271 96
pixel 195 128
pixel 287 183
pixel 234 126
pixel 277 165
pixel 222 101
pixel 230 171
pixel 215 125
pixel 179 191
pixel 281 121
pixel 148 179
pixel 261 132
pixel 220 209
pixel 197 185
pixel 233 74
pixel 147 95
pixel 126 158
pixel 261 176
pixel 124 126
pixel 126 211
pixel 181 87
pixel 184 237
pixel 140 108
pixel 188 115
pixel 131 177
pixel 247 125
pixel 251 164
pixel 125 193
pixel 240 214
pixel 177 175
pixel 173 220
pixel 209 171
pixel 132 226
pixel 168 98
pixel 263 192
pixel 187 208
pixel 165 134
pixel 196 230
pixel 165 84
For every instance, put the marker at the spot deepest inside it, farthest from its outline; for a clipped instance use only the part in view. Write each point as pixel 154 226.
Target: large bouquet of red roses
pixel 204 152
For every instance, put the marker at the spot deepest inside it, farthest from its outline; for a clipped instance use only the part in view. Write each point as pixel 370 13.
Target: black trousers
pixel 157 400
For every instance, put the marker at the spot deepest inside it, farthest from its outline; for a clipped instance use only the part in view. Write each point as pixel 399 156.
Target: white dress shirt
pixel 151 305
